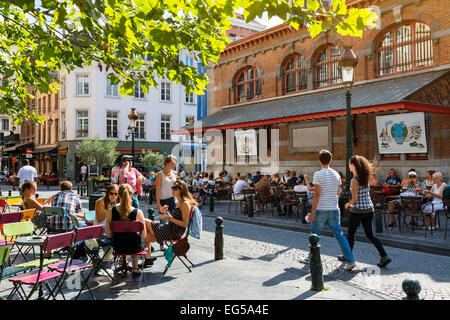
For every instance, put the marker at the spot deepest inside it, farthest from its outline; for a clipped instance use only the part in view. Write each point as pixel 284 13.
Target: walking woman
pixel 163 184
pixel 361 206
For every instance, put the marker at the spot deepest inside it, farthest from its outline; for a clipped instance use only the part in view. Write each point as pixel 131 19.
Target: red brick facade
pixel 270 49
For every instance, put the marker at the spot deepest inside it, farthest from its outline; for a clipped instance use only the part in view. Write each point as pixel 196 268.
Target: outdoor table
pixel 31 241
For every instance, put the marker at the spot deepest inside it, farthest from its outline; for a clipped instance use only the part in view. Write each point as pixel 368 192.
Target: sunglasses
pixel 176 188
pixel 412 176
pixel 113 194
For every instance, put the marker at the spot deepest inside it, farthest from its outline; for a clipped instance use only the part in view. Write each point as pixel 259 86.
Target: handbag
pixel 181 247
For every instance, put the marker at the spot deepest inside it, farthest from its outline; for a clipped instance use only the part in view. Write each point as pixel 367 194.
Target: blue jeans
pixel 135 201
pixel 332 218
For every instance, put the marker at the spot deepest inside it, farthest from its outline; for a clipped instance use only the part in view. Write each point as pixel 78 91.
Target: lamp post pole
pixel 132 129
pixel 132 144
pixel 349 151
pixel 348 63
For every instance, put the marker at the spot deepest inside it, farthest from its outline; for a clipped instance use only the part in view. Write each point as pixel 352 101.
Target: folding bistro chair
pixel 40 278
pixel 78 266
pixel 28 214
pixel 57 211
pixel 13 202
pixel 5 270
pixel 13 230
pixel 96 259
pixel 173 241
pixel 6 218
pixel 3 205
pixel 128 226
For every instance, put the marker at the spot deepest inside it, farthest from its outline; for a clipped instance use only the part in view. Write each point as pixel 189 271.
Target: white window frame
pixel 138 126
pixel 164 122
pixel 189 98
pixel 84 134
pixel 189 116
pixel 139 90
pixel 3 122
pixel 163 92
pixel 84 85
pixel 112 88
pixel 109 127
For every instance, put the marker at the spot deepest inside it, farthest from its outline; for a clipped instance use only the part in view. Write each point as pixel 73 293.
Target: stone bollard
pixel 412 289
pixel 218 240
pixel 211 202
pixel 250 205
pixel 378 220
pixel 315 264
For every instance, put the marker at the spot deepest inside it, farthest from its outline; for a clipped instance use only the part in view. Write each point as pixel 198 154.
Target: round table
pixel 31 241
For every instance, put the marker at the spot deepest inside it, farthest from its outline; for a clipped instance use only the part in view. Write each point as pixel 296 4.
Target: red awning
pixel 404 105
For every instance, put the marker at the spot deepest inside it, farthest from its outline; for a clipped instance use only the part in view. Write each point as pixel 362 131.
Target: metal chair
pixel 412 207
pixel 445 213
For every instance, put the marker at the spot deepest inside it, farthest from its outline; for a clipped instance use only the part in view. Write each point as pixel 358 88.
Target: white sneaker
pixel 305 260
pixel 349 266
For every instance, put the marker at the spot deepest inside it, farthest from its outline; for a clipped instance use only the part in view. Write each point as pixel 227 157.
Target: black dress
pixel 170 230
pixel 126 242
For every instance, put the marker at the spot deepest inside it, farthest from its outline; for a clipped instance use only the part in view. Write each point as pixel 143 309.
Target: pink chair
pixel 3 205
pixel 5 218
pixel 75 265
pixel 42 277
pixel 129 227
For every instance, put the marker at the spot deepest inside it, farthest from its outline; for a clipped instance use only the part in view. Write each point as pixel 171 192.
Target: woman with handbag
pixel 125 242
pixel 361 206
pixel 178 219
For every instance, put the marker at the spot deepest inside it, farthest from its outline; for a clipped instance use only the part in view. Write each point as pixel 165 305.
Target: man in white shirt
pixel 27 172
pixel 83 173
pixel 238 187
pixel 181 173
pixel 325 209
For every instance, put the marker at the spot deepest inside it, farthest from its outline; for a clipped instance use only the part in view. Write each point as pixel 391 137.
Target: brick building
pixel 282 79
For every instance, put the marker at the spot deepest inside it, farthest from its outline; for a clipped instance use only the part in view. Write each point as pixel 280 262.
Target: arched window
pixel 404 48
pixel 327 68
pixel 295 74
pixel 248 85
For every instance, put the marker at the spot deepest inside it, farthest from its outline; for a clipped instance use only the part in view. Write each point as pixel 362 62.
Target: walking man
pixel 27 172
pixel 325 207
pixel 83 170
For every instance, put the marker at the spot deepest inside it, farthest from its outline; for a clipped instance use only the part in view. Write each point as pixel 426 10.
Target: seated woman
pixel 102 206
pixel 126 242
pixel 28 190
pixel 275 179
pixel 178 220
pixel 437 194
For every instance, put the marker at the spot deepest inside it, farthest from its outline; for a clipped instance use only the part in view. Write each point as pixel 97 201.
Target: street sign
pixel 29 155
pixel 29 151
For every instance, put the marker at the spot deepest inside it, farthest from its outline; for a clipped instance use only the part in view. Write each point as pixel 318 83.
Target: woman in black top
pixel 178 220
pixel 127 241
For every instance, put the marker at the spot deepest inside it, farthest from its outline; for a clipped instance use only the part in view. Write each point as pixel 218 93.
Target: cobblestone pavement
pixel 288 248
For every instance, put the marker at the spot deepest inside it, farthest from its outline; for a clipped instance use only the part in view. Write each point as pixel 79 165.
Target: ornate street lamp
pixel 348 63
pixel 132 116
pixel 50 121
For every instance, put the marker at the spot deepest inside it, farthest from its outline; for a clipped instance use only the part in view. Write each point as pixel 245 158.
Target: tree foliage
pixel 96 151
pixel 135 39
pixel 152 159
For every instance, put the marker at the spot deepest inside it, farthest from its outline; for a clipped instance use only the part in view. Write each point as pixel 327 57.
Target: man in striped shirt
pixel 325 207
pixel 71 204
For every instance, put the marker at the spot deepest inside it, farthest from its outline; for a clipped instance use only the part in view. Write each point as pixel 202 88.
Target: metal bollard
pixel 315 264
pixel 78 189
pixel 36 195
pixel 211 202
pixel 250 205
pixel 218 240
pixel 304 210
pixel 379 224
pixel 412 289
pixel 9 193
pixel 1 193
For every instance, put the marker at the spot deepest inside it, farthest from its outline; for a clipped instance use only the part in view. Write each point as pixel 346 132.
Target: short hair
pixel 293 173
pixel 325 156
pixel 170 158
pixel 65 186
pixel 438 175
pixel 25 162
pixel 258 173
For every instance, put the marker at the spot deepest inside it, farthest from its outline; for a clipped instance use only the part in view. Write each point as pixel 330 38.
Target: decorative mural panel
pixel 402 133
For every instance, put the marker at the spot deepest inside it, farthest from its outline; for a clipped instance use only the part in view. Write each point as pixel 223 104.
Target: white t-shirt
pixel 83 169
pixel 239 186
pixel 197 183
pixel 182 174
pixel 26 173
pixel 329 181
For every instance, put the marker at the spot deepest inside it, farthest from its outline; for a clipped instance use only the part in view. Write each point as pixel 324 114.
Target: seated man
pixel 71 204
pixel 293 180
pixel 238 187
pixel 265 193
pixel 304 186
pixel 257 177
